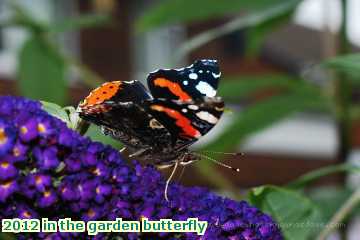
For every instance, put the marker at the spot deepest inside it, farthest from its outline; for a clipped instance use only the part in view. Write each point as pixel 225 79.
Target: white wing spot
pixel 193 107
pixel 193 76
pixel 206 89
pixel 216 75
pixel 130 82
pixel 208 117
pixel 184 110
pixel 201 71
pixel 185 82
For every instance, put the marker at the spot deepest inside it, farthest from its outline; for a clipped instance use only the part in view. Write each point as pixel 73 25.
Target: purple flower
pixel 7 188
pixel 25 212
pixel 28 129
pixel 93 213
pixel 47 198
pixel 73 163
pixel 7 137
pixel 19 152
pixel 7 170
pixel 39 181
pixel 50 171
pixel 102 191
pixel 46 158
pixel 45 127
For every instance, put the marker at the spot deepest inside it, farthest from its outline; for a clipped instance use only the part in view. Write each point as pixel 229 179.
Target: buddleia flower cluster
pixel 50 171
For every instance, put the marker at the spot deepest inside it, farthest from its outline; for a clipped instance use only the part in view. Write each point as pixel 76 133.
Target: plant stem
pixel 82 127
pixel 342 107
pixel 341 214
pixel 343 93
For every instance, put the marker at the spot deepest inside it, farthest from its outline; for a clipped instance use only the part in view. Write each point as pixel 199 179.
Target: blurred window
pixel 322 14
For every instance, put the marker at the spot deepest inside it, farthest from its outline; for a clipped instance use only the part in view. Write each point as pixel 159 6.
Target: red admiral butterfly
pixel 159 125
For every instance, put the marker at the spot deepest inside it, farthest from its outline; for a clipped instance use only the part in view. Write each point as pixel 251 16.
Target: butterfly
pixel 158 125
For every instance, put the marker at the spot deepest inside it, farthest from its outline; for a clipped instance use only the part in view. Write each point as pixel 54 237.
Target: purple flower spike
pixel 50 171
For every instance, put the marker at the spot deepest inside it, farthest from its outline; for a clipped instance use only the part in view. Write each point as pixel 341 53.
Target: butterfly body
pixel 159 125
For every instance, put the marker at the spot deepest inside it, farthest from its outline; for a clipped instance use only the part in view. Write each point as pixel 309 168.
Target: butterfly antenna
pixel 169 179
pixel 217 162
pixel 225 153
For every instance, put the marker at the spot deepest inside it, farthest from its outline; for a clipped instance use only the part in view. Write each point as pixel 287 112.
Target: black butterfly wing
pixel 187 121
pixel 196 81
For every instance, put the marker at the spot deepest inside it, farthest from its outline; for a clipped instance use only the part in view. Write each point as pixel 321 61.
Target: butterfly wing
pixel 121 114
pixel 187 121
pixel 196 81
pixel 114 92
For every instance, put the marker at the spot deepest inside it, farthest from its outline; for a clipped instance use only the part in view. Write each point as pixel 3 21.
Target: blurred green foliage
pixel 347 64
pixel 180 11
pixel 43 67
pixel 292 210
pixel 41 71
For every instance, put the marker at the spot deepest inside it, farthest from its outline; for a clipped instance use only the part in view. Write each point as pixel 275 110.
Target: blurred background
pixel 290 75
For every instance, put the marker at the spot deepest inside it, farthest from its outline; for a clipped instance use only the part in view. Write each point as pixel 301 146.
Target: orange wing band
pixel 173 87
pixel 181 121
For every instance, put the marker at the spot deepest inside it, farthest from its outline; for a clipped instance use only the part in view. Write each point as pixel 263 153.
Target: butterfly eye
pixel 82 103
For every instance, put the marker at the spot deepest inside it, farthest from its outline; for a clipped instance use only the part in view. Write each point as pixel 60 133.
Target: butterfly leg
pixel 169 179
pixel 139 152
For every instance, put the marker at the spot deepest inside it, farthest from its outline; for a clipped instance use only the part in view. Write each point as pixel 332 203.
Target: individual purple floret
pixel 50 171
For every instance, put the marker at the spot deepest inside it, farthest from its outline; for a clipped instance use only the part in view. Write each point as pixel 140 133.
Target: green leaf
pixel 295 214
pixel 261 115
pixel 349 64
pixel 56 111
pixel 67 114
pixel 312 176
pixel 175 11
pixel 256 35
pixel 95 134
pixel 330 199
pixel 80 22
pixel 41 71
pixel 240 87
pixel 74 118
